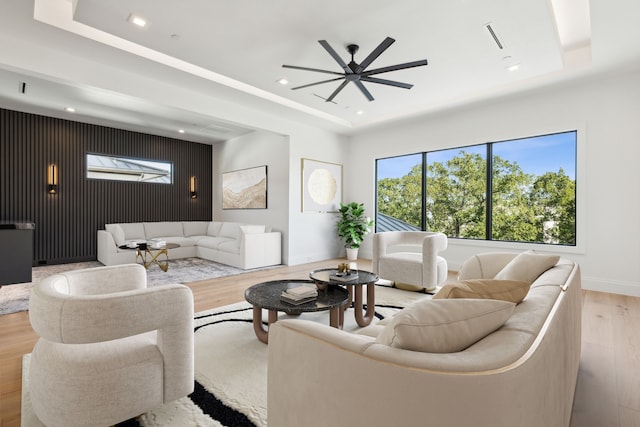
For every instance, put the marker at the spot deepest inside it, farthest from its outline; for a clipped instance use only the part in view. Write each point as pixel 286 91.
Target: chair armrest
pixel 93 318
pixel 103 280
pixel 432 244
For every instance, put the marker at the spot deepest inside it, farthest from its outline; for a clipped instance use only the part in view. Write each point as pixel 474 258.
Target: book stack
pixel 299 295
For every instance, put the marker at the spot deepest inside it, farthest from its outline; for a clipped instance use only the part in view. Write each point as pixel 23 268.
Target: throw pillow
pixel 527 266
pixel 444 325
pixel 214 229
pixel 504 290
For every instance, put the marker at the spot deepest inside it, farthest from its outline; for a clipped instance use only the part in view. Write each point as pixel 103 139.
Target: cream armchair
pixel 410 258
pixel 110 348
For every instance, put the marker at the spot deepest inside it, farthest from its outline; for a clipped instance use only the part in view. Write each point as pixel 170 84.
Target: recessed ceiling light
pixel 513 67
pixel 70 110
pixel 180 130
pixel 138 20
pixel 283 81
pixel 359 112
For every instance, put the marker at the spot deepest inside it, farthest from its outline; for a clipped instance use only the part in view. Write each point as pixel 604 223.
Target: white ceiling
pixel 242 45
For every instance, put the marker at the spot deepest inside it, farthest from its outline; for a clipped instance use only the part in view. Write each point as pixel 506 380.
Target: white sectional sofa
pixel 240 245
pixel 522 374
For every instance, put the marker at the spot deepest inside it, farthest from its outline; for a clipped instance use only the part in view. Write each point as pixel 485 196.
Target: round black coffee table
pixel 364 278
pixel 266 296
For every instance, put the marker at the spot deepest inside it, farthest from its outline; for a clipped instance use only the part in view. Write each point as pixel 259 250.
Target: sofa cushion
pixel 214 229
pixel 252 229
pixel 230 229
pixel 117 232
pixel 195 228
pixel 444 325
pixel 504 290
pixel 230 246
pixel 212 242
pixel 133 231
pixel 153 230
pixel 527 266
pixel 182 241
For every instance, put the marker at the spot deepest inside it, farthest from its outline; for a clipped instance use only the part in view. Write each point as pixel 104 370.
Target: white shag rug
pixel 230 368
pixel 15 298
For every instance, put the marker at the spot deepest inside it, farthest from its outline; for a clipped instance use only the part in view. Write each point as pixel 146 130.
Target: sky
pixel 535 155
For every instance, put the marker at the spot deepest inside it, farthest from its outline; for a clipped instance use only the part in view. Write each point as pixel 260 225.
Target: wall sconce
pixel 192 188
pixel 52 179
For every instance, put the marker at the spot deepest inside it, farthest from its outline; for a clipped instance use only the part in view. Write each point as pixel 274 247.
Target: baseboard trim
pixel 611 286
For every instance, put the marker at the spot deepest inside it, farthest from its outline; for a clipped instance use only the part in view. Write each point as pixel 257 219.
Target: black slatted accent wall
pixel 67 223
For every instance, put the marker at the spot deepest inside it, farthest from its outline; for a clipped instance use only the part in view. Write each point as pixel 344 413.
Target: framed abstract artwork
pixel 321 186
pixel 245 188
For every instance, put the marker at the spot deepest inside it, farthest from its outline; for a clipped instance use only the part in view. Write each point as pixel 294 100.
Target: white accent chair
pixel 410 258
pixel 110 348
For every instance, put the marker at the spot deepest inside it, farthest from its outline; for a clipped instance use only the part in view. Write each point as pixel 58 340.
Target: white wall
pixel 606 112
pixel 256 149
pixel 313 235
pixel 307 237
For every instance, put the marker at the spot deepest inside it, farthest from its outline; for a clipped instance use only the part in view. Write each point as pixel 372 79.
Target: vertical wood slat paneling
pixel 67 223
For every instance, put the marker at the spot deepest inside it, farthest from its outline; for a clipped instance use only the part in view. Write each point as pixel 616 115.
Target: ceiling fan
pixel 357 73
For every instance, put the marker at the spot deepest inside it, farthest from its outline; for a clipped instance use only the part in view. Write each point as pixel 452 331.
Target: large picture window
pixel 521 190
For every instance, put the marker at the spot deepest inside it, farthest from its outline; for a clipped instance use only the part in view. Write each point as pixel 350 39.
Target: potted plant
pixel 352 227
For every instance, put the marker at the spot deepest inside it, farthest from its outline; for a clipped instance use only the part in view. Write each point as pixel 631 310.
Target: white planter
pixel 352 254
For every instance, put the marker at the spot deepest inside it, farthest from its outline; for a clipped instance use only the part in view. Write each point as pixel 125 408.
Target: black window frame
pixel 488 187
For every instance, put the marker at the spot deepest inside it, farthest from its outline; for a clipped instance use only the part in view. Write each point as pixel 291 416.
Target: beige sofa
pixel 522 374
pixel 240 245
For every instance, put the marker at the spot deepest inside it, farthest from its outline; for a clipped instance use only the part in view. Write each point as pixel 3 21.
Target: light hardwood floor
pixel 607 394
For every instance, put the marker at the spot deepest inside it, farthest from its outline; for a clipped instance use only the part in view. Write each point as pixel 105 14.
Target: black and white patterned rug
pixel 15 298
pixel 230 368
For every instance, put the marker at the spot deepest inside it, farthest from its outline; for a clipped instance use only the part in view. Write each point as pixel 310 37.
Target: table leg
pixel 364 320
pixel 142 254
pixel 163 265
pixel 336 317
pixel 261 333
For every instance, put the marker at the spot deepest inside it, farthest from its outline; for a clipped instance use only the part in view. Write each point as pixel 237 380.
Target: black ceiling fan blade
pixel 396 67
pixel 386 82
pixel 337 91
pixel 317 70
pixel 374 54
pixel 335 56
pixel 363 90
pixel 317 83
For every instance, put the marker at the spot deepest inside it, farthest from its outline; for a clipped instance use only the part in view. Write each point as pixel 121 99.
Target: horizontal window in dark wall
pixel 102 166
pixel 521 190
